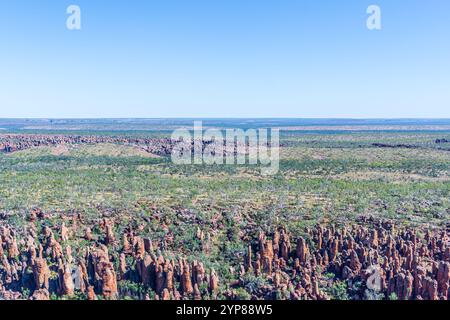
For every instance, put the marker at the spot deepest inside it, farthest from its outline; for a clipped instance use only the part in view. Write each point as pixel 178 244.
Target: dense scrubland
pixel 113 220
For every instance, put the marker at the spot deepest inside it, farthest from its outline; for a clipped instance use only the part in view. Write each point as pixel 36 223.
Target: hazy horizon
pixel 289 124
pixel 231 118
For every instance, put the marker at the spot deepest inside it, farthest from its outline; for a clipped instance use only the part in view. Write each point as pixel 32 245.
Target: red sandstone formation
pixel 387 260
pixel 406 266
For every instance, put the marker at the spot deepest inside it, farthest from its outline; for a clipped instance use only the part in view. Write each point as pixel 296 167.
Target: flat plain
pixel 104 219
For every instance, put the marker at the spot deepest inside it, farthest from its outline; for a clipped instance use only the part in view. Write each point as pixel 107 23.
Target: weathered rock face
pixel 65 278
pixel 88 234
pixel 91 294
pixel 110 237
pixel 186 284
pixel 443 278
pixel 64 232
pixel 302 251
pixel 15 142
pixel 404 265
pixel 213 283
pixel 389 261
pixel 162 147
pixel 109 281
pixel 41 294
pixel 41 273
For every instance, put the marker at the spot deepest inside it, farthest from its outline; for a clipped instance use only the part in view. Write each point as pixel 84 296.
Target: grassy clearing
pixel 314 182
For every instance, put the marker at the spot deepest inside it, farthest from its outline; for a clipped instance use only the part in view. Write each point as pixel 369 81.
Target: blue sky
pixel 225 58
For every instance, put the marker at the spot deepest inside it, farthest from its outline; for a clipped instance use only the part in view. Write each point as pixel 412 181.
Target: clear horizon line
pixel 220 118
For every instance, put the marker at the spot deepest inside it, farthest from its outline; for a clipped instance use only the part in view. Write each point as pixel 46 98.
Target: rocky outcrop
pixel 386 260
